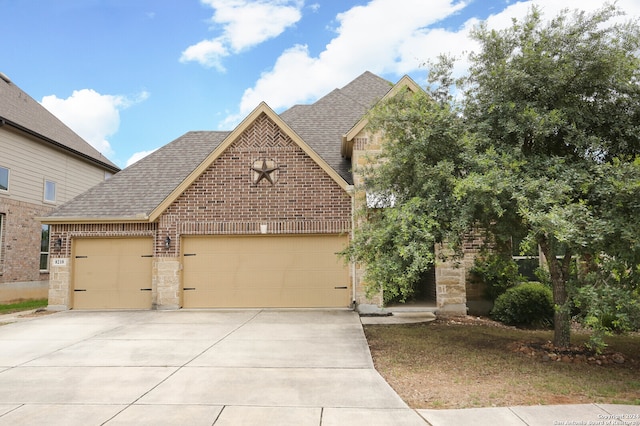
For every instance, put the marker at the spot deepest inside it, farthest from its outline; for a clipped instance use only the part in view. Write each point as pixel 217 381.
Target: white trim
pixel 44 191
pixel 2 190
pixel 48 252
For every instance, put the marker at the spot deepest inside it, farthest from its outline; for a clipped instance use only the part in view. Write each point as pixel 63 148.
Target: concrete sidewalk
pixel 223 367
pixel 540 415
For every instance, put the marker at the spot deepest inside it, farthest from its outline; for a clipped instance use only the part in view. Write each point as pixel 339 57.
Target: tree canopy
pixel 544 145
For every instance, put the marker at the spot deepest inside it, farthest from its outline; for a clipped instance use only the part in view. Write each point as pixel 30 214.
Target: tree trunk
pixel 561 319
pixel 559 275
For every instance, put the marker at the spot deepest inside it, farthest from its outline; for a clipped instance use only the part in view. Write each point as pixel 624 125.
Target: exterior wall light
pixel 58 244
pixel 167 242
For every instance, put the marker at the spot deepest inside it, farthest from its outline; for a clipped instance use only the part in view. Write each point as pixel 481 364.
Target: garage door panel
pixel 112 299
pixel 265 271
pixel 112 273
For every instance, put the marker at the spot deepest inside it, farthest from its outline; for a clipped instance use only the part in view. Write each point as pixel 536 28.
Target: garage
pixel 112 273
pixel 265 271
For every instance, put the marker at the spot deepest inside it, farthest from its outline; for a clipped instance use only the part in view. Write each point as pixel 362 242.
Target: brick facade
pixel 20 245
pixel 224 200
pixel 67 232
pixel 303 199
pixel 263 182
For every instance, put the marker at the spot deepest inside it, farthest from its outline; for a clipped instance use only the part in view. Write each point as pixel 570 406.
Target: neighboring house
pixel 248 218
pixel 43 164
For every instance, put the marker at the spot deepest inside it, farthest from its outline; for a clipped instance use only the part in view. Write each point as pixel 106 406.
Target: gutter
pixel 4 121
pixel 142 218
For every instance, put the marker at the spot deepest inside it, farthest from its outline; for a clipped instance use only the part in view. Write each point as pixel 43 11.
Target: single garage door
pixel 112 273
pixel 264 271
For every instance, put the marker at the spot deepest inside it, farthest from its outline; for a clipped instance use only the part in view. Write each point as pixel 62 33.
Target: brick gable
pixel 225 199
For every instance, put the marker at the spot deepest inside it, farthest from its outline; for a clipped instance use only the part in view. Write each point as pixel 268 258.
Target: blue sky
pixel 132 75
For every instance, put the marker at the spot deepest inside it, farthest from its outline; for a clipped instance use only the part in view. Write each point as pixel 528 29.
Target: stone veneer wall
pixel 365 148
pixel 60 285
pixel 451 297
pixel 451 275
pixel 166 283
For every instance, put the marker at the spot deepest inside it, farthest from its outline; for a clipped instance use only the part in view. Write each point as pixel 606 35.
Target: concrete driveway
pixel 192 367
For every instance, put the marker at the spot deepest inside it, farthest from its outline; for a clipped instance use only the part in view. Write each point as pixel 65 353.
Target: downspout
pixel 353 263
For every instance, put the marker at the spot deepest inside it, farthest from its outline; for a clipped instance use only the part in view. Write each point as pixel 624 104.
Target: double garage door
pixel 218 272
pixel 264 271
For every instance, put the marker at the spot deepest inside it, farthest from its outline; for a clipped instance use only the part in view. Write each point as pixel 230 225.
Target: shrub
pixel 529 304
pixel 498 272
pixel 607 310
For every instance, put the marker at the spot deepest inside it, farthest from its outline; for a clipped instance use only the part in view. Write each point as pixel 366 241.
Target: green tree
pixel 417 171
pixel 545 145
pixel 561 102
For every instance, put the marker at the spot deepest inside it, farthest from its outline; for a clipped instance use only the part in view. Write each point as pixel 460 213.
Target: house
pixel 43 164
pixel 253 217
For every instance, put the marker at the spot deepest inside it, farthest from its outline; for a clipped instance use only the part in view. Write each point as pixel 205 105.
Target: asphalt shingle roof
pixel 139 189
pixel 21 110
pixel 323 123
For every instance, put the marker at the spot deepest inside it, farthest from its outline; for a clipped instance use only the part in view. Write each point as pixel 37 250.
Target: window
pixel 44 248
pixel 49 191
pixel 4 179
pixel 1 241
pixel 527 261
pixel 379 200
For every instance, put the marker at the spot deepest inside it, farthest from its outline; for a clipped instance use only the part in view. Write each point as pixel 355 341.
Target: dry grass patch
pixel 460 364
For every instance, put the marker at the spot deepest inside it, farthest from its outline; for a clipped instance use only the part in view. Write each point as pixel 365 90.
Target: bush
pixel 498 272
pixel 607 310
pixel 529 304
pixel 607 299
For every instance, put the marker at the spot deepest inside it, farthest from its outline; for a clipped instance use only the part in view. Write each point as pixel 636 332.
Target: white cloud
pixel 370 37
pixel 386 36
pixel 91 115
pixel 139 156
pixel 206 52
pixel 245 24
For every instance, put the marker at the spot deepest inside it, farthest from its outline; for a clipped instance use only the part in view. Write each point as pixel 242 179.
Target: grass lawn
pixel 22 306
pixel 450 364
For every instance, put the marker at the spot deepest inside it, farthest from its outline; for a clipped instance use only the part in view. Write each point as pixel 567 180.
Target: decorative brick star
pixel 264 171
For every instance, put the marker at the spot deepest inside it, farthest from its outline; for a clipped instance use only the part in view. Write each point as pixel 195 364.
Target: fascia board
pixel 91 220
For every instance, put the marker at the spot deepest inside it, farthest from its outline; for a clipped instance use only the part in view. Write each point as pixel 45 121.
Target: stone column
pixel 450 284
pixel 59 284
pixel 166 283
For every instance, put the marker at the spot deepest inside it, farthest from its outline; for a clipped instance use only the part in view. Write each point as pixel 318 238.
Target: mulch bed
pixel 547 352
